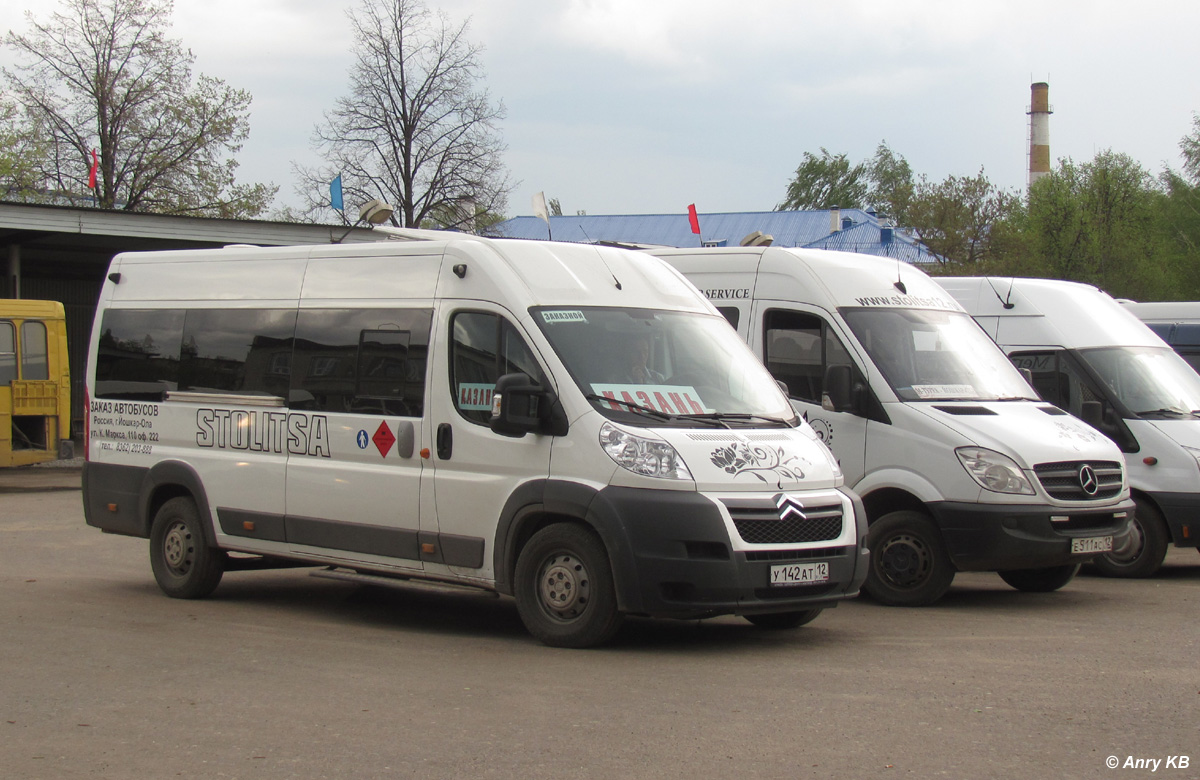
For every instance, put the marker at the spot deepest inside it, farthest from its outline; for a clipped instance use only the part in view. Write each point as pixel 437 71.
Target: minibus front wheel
pixel 184 566
pixel 564 587
pixel 909 563
pixel 1142 552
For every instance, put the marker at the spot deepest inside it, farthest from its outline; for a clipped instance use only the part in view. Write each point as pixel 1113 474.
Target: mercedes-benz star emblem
pixel 1087 480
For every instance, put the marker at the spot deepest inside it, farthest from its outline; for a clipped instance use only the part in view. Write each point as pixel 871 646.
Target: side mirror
pixel 837 394
pixel 520 407
pixel 1091 412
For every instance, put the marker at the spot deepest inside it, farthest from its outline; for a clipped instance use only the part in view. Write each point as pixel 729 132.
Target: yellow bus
pixel 35 383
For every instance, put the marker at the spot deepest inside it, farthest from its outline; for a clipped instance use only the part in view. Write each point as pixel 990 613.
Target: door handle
pixel 445 441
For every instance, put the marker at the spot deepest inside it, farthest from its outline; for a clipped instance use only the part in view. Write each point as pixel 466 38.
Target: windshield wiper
pixel 631 406
pixel 639 408
pixel 723 416
pixel 1166 413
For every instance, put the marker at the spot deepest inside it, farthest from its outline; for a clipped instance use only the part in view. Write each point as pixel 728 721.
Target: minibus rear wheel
pixel 564 587
pixel 909 563
pixel 1145 548
pixel 781 621
pixel 1044 580
pixel 183 563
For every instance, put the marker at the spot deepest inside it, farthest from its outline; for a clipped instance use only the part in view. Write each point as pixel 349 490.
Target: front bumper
pixel 987 537
pixel 673 558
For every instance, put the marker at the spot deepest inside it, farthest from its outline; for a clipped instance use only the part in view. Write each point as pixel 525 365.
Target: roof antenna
pixel 616 281
pixel 1005 302
pixel 899 285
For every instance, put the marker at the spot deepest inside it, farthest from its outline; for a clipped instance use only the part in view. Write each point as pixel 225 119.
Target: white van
pixel 1092 357
pixel 1175 322
pixel 574 426
pixel 959 465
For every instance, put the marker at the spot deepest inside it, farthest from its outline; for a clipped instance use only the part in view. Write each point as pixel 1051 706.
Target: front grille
pixel 1062 480
pixel 763 525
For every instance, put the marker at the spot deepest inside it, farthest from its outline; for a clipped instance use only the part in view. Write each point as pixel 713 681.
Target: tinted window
pixel 484 348
pixel 799 348
pixel 368 361
pixel 243 351
pixel 34 363
pixel 731 315
pixel 138 355
pixel 8 353
pixel 1058 380
pixel 1186 335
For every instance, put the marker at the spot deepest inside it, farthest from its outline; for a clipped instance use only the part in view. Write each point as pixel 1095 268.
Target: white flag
pixel 539 207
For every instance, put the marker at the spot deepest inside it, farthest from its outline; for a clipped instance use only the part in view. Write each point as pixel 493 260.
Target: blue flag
pixel 335 193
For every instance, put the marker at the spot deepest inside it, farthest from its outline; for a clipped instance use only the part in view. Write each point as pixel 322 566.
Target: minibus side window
pixel 138 357
pixel 1056 380
pixel 363 361
pixel 34 361
pixel 731 314
pixel 8 353
pixel 798 349
pixel 237 351
pixel 483 348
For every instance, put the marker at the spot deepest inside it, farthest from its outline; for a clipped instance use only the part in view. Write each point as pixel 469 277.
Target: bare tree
pixel 415 129
pixel 103 75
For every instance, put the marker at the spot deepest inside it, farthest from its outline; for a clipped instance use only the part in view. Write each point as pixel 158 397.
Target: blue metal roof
pixel 861 231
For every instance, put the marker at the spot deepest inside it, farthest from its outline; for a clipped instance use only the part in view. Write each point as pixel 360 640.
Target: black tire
pixel 781 621
pixel 564 587
pixel 909 563
pixel 1044 580
pixel 1143 554
pixel 183 563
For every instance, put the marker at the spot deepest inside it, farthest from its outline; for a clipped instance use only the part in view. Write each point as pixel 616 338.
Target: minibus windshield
pixel 928 355
pixel 664 367
pixel 1151 382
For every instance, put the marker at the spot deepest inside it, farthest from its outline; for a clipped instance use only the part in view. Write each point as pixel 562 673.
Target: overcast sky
pixel 645 106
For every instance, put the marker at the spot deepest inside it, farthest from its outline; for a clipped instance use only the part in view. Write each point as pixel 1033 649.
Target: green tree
pixel 1181 217
pixel 892 184
pixel 416 128
pixel 1099 222
pixel 957 218
pixel 18 147
pixel 104 75
pixel 826 181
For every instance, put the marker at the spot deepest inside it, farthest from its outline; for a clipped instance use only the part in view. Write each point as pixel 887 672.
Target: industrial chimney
pixel 1039 131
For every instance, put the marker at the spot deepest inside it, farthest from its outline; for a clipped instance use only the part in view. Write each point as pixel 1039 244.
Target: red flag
pixel 92 172
pixel 694 219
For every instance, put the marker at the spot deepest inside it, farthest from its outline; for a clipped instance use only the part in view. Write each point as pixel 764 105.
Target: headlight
pixel 994 471
pixel 648 457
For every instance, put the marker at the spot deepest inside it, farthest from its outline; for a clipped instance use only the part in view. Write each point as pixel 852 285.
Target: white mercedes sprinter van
pixel 1092 357
pixel 960 466
pixel 574 426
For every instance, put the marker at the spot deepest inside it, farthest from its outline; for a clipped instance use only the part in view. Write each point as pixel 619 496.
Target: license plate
pixel 800 573
pixel 1092 544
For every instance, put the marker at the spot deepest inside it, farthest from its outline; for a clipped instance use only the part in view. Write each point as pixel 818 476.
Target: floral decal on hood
pixel 763 462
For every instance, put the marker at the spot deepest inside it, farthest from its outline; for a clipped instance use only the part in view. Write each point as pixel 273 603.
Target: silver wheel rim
pixel 564 587
pixel 177 548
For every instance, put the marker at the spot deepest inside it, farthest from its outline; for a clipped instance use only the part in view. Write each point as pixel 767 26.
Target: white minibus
pixel 573 426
